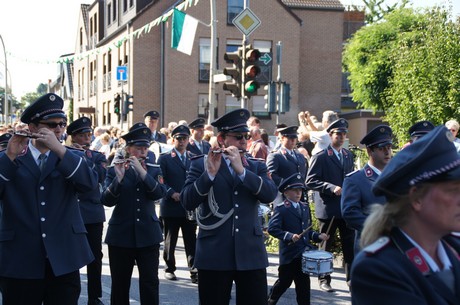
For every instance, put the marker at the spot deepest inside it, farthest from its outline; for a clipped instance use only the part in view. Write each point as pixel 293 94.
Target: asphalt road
pixel 184 292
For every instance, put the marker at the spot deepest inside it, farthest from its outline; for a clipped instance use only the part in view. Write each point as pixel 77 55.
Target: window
pixel 258 106
pixel 205 59
pixel 203 105
pixel 231 103
pixel 109 13
pixel 234 7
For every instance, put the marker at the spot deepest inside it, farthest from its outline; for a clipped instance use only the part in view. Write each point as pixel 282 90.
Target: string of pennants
pixel 117 44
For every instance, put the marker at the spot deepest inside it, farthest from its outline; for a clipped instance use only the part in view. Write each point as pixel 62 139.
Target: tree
pixel 407 66
pixel 377 9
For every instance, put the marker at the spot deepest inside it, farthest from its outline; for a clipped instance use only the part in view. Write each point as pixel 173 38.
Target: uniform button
pixel 236 205
pixel 138 210
pixel 137 219
pixel 237 230
pixel 42 188
pixel 42 219
pixel 43 235
pixel 42 203
pixel 236 216
pixel 236 193
pixel 137 189
pixel 78 200
pixel 137 200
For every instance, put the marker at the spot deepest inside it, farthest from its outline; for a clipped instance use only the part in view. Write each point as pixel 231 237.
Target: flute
pixel 126 161
pixel 223 151
pixel 24 133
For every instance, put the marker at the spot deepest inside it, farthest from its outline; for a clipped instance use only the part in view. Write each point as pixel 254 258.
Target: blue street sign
pixel 122 73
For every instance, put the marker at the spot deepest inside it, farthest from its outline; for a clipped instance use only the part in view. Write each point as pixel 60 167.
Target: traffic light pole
pixel 121 106
pixel 5 102
pixel 279 50
pixel 243 99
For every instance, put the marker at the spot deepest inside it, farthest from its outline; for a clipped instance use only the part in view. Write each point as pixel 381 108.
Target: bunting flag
pixel 183 32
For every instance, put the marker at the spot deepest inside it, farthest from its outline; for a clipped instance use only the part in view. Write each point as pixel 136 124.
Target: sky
pixel 37 32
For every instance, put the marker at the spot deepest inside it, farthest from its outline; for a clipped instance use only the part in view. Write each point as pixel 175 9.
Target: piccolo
pixel 223 151
pixel 24 133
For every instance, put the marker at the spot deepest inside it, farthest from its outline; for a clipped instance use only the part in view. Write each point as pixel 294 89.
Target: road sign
pixel 265 58
pixel 122 73
pixel 246 21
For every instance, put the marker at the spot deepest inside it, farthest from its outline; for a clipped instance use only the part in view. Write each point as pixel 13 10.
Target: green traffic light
pixel 251 87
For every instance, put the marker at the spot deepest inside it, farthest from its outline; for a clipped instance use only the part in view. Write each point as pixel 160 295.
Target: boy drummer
pixel 288 224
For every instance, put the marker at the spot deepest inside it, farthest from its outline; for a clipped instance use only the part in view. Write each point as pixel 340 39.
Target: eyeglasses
pixel 181 138
pixel 53 125
pixel 240 137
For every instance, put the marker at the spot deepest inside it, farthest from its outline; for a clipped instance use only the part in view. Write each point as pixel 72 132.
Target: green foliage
pixel 408 66
pixel 377 9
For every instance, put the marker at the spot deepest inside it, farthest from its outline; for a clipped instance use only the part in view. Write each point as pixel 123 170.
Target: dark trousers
pixel 171 227
pixel 122 262
pixel 215 287
pixel 288 273
pixel 52 290
pixel 94 269
pixel 347 237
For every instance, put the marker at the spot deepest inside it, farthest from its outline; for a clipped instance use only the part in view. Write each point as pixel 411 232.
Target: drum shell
pixel 317 262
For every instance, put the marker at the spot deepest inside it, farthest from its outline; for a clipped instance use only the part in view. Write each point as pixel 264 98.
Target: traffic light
pixel 2 104
pixel 285 95
pixel 116 106
pixel 251 70
pixel 234 86
pixel 270 97
pixel 127 102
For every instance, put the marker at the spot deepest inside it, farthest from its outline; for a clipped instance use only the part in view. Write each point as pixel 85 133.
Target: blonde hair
pixel 395 213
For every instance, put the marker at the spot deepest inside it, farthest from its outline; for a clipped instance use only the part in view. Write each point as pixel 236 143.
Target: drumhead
pixel 317 254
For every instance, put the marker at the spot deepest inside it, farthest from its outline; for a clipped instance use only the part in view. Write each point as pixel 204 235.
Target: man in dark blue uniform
pixel 287 160
pixel 289 224
pixel 92 211
pixel 196 145
pixel 4 139
pixel 44 242
pixel 132 186
pixel 174 166
pixel 418 130
pixel 357 196
pixel 226 187
pixel 151 119
pixel 325 175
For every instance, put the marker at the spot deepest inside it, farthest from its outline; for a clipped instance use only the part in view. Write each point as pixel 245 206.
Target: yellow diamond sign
pixel 246 21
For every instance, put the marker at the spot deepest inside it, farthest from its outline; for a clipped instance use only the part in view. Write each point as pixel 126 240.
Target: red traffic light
pixel 252 55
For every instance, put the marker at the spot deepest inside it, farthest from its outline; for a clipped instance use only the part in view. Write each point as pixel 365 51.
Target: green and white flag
pixel 183 32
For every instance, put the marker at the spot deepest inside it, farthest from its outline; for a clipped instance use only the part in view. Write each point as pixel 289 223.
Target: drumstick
pixel 327 233
pixel 300 235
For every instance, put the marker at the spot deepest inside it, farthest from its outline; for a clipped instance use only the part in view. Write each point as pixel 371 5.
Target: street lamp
pixel 6 82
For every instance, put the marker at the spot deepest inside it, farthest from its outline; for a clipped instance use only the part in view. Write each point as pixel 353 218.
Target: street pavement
pixel 184 292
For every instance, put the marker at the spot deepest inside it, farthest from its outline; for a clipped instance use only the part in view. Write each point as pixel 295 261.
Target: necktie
pixel 340 158
pixel 299 209
pixel 42 161
pixel 182 158
pixel 199 146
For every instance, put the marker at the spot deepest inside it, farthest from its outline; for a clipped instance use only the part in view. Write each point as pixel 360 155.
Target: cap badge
pixel 144 131
pixel 52 98
pixel 242 113
pixel 382 130
pixel 85 120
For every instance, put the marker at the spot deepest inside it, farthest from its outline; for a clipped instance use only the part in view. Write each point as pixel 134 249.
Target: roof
pixel 314 4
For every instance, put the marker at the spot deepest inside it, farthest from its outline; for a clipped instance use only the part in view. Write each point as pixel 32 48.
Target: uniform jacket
pixel 286 222
pixel 325 173
pixel 159 137
pixel 281 165
pixel 92 211
pixel 357 197
pixel 238 243
pixel 134 222
pixel 40 216
pixel 174 174
pixel 193 149
pixel 383 274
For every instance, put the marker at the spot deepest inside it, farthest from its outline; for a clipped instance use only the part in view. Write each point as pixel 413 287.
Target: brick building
pixel 175 84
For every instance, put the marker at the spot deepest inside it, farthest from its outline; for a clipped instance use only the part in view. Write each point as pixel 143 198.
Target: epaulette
pixel 287 203
pixel 152 165
pixel 352 173
pixel 377 245
pixel 195 157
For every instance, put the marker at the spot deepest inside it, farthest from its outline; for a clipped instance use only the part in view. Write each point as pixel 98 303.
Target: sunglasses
pixel 240 137
pixel 53 125
pixel 181 138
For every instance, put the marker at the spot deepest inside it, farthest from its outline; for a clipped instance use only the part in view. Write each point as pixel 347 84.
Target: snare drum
pixel 317 262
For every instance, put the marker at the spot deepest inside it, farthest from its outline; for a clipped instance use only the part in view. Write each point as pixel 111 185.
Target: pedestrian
pixel 91 209
pixel 132 186
pixel 327 171
pixel 174 167
pixel 197 145
pixel 44 242
pixel 357 196
pixel 454 126
pixel 227 187
pixel 290 223
pixel 418 130
pixel 257 149
pixel 410 255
